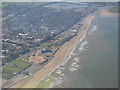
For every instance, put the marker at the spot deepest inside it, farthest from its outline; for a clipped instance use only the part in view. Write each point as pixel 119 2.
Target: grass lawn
pixel 8 70
pixel 12 69
pixel 45 83
pixel 21 64
pixel 47 45
pixel 7 75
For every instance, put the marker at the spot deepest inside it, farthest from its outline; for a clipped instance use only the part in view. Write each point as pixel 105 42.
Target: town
pixel 33 32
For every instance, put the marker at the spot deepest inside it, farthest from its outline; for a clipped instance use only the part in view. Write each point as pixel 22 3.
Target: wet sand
pixel 60 57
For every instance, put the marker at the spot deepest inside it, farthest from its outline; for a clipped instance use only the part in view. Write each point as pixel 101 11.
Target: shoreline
pixel 67 58
pixel 61 57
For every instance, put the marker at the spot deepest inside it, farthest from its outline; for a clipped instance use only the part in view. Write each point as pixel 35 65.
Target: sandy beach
pixel 105 12
pixel 60 57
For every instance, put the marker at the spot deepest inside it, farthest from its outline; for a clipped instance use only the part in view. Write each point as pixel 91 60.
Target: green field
pixel 9 70
pixel 7 75
pixel 47 45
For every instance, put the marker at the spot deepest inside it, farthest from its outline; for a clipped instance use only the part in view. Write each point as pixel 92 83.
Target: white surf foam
pixel 73 54
pixel 76 60
pixel 56 82
pixel 83 46
pixel 72 68
pixel 94 28
pixel 59 72
pixel 74 65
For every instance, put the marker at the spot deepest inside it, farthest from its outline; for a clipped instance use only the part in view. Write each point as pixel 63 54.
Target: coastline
pixel 61 57
pixel 105 12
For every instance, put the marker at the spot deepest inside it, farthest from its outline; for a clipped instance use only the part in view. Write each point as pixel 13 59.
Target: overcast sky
pixel 59 0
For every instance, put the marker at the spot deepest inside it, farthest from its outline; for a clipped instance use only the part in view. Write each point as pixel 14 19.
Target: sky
pixel 59 0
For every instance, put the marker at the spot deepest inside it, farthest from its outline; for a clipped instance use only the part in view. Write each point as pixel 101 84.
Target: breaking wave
pixel 94 28
pixel 83 46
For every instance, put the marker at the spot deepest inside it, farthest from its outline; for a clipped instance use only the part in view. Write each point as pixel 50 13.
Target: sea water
pixel 94 62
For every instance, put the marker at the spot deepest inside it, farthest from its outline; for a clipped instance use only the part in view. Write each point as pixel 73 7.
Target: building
pixel 46 51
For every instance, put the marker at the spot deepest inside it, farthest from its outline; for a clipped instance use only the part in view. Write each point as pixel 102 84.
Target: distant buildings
pixel 37 26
